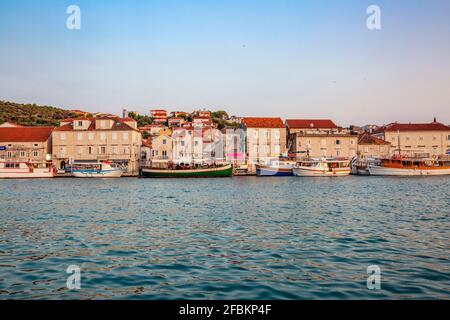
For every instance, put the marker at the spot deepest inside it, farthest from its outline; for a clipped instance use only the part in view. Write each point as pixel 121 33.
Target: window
pixel 164 141
pixel 393 139
pixel 63 136
pixel 196 143
pixel 448 137
pixel 277 150
pixel 80 136
pixel 35 154
pixel 9 154
pixel 164 153
pixel 408 138
pixel 338 153
pixel 80 123
pixel 90 150
pixel 114 135
pixel 103 136
pixel 434 138
pixel 102 124
pixel 114 150
pixel 182 143
pixel 102 150
pixel 125 136
pixel 63 151
pixel 22 154
pixel 91 136
pixel 80 151
pixel 420 138
pixel 338 142
pixel 352 142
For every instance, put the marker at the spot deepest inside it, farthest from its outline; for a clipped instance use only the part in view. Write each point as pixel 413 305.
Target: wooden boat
pixel 402 166
pixel 24 170
pixel 322 168
pixel 103 169
pixel 275 168
pixel 211 172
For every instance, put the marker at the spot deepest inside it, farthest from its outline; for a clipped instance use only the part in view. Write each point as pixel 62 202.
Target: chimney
pixel 125 113
pixel 435 120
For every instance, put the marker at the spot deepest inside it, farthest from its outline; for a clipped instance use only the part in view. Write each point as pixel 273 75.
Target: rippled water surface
pixel 241 238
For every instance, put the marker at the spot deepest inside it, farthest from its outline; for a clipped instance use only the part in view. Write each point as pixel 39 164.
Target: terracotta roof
pixel 263 122
pixel 25 134
pixel 119 124
pixel 367 139
pixel 433 126
pixel 310 123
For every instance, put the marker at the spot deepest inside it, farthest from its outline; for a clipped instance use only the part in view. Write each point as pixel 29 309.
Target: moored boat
pixel 360 166
pixel 186 172
pixel 402 166
pixel 24 170
pixel 322 168
pixel 103 169
pixel 275 168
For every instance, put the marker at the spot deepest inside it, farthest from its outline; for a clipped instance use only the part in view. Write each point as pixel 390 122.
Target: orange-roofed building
pixel 373 147
pixel 97 139
pixel 266 140
pixel 416 139
pixel 317 138
pixel 32 144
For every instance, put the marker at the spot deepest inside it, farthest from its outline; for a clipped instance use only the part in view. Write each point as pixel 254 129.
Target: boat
pixel 359 166
pixel 275 168
pixel 188 172
pixel 102 169
pixel 404 166
pixel 24 170
pixel 322 168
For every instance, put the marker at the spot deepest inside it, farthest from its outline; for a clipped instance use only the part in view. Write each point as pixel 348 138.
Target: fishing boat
pixel 102 169
pixel 24 170
pixel 275 168
pixel 404 166
pixel 322 168
pixel 184 171
pixel 359 166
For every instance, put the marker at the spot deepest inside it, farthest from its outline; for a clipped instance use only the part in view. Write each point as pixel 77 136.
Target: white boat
pixel 360 166
pixel 400 166
pixel 322 168
pixel 24 170
pixel 276 168
pixel 97 170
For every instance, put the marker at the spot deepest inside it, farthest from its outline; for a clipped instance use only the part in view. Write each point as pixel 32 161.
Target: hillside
pixel 32 115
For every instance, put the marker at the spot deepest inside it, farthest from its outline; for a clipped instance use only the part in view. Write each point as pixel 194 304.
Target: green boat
pixel 218 172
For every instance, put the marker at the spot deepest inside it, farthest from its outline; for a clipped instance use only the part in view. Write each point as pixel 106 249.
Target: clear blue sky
pixel 294 59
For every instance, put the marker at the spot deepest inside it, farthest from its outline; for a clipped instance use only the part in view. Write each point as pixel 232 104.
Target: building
pixel 161 151
pixel 320 138
pixel 154 129
pixel 265 140
pixel 234 146
pixel 416 139
pixel 96 139
pixel 370 128
pixel 159 116
pixel 202 122
pixel 202 113
pixel 33 144
pixel 176 122
pixel 372 147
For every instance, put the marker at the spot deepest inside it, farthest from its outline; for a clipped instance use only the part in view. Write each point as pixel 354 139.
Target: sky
pixel 284 58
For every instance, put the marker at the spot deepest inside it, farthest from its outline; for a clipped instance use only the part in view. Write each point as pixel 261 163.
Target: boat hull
pixel 273 172
pixel 98 174
pixel 26 175
pixel 384 171
pixel 309 172
pixel 222 172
